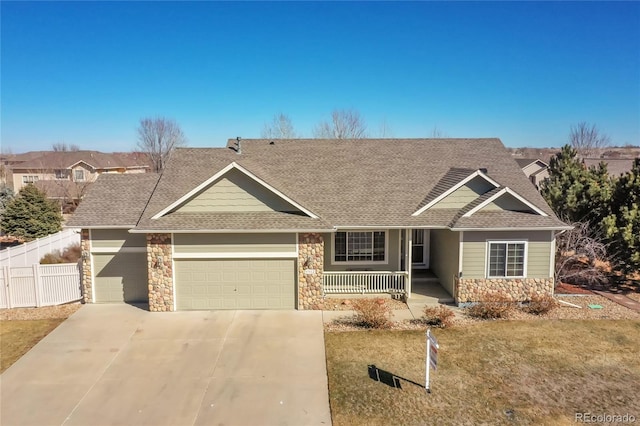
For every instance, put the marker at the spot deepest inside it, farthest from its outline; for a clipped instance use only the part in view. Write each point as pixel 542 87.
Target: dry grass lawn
pixel 17 337
pixel 502 372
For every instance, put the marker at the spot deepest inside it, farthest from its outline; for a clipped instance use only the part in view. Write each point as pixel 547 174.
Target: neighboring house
pixel 535 169
pixel 279 224
pixel 66 175
pixel 615 166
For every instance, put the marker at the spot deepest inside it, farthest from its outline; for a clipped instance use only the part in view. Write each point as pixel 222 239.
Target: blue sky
pixel 86 72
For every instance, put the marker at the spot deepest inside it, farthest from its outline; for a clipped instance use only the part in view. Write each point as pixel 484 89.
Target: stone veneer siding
pixel 85 247
pixel 519 289
pixel 310 256
pixel 160 273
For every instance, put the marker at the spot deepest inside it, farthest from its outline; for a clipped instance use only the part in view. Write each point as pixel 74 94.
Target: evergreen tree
pixel 6 195
pixel 31 215
pixel 622 225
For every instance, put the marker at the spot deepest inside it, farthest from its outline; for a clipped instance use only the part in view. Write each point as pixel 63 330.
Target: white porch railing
pixel 39 285
pixel 365 282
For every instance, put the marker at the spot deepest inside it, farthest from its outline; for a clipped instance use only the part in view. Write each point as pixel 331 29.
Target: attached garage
pixel 120 277
pixel 235 284
pixel 119 266
pixel 235 271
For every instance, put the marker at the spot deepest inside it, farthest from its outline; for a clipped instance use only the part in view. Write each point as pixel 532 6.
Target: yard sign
pixel 432 357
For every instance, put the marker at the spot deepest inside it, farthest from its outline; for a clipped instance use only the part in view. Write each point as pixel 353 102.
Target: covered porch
pixel 410 274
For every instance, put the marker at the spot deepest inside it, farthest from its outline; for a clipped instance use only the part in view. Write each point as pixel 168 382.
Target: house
pixel 74 166
pixel 279 224
pixel 67 175
pixel 535 169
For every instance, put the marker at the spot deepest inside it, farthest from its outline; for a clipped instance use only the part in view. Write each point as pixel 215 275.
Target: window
pixel 29 179
pixel 506 259
pixel 61 174
pixel 79 174
pixel 361 246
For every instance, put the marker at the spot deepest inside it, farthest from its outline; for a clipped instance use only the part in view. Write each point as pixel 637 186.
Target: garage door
pixel 235 284
pixel 120 277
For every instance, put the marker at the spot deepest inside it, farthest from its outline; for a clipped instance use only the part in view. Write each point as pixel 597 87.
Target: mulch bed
pixel 564 288
pixel 337 304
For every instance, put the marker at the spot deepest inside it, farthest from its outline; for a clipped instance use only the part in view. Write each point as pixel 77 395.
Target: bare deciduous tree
pixel 438 133
pixel 587 139
pixel 158 137
pixel 344 124
pixel 280 127
pixel 385 130
pixel 579 256
pixel 64 147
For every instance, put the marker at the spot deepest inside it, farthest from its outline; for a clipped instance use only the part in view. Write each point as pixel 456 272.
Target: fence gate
pixel 39 285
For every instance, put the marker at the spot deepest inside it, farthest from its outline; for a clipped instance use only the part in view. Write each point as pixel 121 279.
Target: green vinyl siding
pixel 444 256
pixel 393 253
pixel 116 238
pixel 539 256
pixel 236 192
pixel 465 194
pixel 475 245
pixel 507 202
pixel 234 243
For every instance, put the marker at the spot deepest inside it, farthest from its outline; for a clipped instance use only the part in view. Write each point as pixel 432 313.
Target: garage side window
pixel 360 246
pixel 507 259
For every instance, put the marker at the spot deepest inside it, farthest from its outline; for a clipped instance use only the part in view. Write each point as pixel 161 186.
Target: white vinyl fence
pixel 39 285
pixel 29 253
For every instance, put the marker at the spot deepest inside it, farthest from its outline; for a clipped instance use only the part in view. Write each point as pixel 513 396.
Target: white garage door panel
pixel 120 277
pixel 235 284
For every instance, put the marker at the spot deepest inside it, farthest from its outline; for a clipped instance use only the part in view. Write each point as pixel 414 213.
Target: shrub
pixel 51 258
pixel 438 316
pixel 492 306
pixel 70 254
pixel 372 313
pixel 540 304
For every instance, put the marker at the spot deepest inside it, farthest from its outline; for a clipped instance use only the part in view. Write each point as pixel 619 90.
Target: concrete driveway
pixel 117 364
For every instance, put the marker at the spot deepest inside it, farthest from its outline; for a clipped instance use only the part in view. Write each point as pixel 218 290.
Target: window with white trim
pixel 506 259
pixel 359 246
pixel 29 179
pixel 79 175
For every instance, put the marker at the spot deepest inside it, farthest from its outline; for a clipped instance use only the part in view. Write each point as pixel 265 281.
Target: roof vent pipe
pixel 238 145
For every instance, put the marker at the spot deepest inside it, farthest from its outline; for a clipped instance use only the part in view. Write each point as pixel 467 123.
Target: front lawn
pixel 17 337
pixel 502 372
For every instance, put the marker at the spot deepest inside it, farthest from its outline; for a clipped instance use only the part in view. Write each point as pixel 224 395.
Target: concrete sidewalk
pixel 117 364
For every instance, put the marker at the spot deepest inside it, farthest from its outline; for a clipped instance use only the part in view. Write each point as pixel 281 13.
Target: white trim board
pixel 229 231
pixel 218 175
pixel 505 190
pixel 454 188
pixel 236 255
pixel 107 250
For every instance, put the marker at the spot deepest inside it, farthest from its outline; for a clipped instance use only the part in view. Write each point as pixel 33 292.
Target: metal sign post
pixel 432 357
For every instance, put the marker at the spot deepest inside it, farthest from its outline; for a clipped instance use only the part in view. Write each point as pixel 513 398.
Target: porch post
pixel 407 260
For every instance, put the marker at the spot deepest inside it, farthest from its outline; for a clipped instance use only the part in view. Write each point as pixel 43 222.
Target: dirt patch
pixel 45 312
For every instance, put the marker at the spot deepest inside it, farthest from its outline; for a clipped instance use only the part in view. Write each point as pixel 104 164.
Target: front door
pixel 420 248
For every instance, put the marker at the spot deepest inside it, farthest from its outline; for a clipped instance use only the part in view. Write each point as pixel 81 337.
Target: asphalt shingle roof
pixel 100 160
pixel 114 200
pixel 369 182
